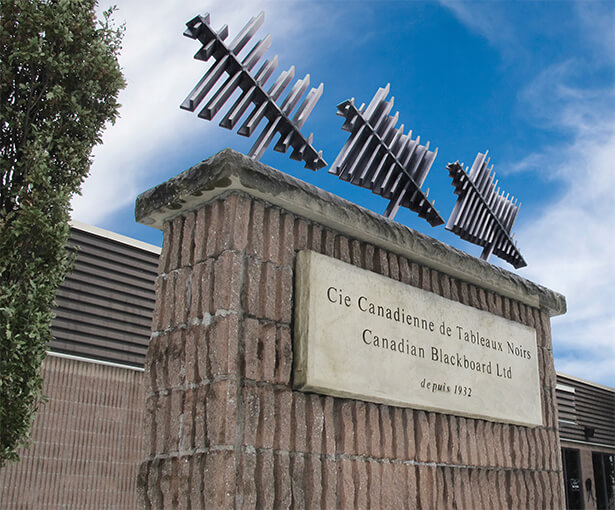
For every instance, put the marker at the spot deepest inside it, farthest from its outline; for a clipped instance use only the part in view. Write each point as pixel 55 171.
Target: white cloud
pixel 570 248
pixel 569 245
pixel 598 25
pixel 158 66
pixel 490 20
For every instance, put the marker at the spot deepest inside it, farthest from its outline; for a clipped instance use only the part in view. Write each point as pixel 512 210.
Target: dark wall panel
pixel 589 407
pixel 104 308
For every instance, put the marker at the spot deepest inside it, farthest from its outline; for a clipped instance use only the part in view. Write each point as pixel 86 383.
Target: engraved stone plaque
pixel 364 336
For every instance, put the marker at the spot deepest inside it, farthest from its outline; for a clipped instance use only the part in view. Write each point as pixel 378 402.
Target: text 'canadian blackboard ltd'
pixel 365 336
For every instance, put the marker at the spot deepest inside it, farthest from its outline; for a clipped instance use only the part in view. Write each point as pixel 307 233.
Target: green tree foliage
pixel 59 82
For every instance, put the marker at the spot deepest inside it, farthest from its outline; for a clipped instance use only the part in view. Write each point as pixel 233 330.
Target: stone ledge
pixel 229 171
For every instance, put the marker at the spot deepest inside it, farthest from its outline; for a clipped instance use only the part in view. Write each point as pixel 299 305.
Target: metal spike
pixel 380 157
pixel 221 96
pixel 378 97
pixel 308 105
pixel 274 92
pixel 263 103
pixel 210 48
pixel 205 84
pixel 295 94
pixel 246 33
pixel 214 105
pixel 257 52
pixel 482 214
pixel 264 139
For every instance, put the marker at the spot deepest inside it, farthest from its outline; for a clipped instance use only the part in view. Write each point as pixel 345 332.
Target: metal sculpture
pixel 483 215
pixel 380 157
pixel 253 92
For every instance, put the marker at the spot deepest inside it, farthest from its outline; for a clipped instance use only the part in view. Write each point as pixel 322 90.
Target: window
pixel 571 461
pixel 566 403
pixel 604 478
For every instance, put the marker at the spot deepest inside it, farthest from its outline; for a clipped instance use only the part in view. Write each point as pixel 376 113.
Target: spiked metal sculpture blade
pixel 482 214
pixel 253 93
pixel 378 156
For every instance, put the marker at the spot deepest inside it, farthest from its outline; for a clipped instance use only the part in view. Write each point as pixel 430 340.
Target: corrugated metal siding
pixel 594 407
pixel 105 306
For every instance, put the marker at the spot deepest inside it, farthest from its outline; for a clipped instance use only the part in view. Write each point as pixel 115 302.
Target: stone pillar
pixel 225 429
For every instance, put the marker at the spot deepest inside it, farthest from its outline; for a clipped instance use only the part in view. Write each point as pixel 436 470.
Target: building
pixel 87 440
pixel 587 436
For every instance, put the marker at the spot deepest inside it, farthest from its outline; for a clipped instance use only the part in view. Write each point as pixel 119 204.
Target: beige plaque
pixel 365 336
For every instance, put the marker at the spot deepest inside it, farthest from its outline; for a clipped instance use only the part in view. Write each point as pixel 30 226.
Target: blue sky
pixel 532 82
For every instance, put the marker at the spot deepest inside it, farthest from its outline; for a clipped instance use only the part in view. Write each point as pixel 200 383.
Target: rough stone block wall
pixel 86 441
pixel 224 429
